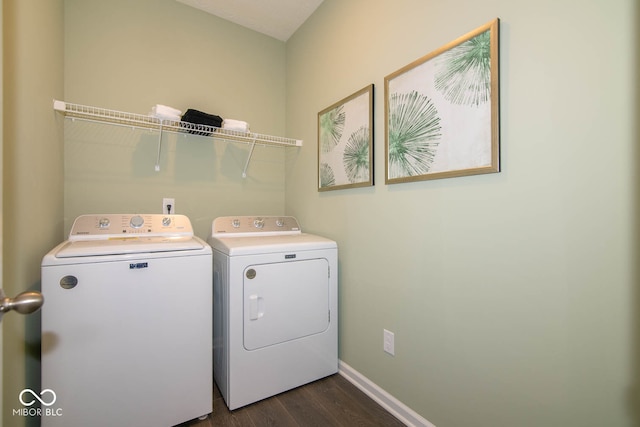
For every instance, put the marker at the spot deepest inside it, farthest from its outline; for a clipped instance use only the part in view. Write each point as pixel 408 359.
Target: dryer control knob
pixel 258 223
pixel 280 222
pixel 104 223
pixel 136 221
pixel 166 221
pixel 235 223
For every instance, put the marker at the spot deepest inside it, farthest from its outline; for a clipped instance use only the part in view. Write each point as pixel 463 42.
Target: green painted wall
pixel 511 294
pixel 129 56
pixel 32 177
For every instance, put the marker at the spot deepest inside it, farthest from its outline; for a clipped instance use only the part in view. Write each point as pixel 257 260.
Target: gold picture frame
pixel 345 142
pixel 442 111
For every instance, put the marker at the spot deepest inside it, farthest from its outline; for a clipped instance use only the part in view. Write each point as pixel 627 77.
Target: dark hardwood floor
pixel 332 401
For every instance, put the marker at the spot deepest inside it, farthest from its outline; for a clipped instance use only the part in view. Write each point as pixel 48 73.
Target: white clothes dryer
pixel 275 307
pixel 127 324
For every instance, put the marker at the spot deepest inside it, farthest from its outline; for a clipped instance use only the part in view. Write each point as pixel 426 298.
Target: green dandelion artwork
pixel 331 127
pixel 356 156
pixel 327 178
pixel 414 130
pixel 464 72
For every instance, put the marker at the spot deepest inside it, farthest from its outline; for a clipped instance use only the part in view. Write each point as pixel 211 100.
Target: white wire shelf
pixel 104 115
pixel 120 118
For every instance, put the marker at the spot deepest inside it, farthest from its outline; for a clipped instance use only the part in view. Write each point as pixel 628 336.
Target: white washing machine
pixel 127 327
pixel 275 307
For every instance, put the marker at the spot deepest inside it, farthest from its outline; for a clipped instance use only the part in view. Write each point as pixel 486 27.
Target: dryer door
pixel 285 301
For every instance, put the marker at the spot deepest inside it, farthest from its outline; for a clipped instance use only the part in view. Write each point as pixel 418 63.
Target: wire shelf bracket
pixel 120 118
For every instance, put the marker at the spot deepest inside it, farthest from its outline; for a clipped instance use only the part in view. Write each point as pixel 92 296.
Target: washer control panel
pixel 252 225
pixel 102 226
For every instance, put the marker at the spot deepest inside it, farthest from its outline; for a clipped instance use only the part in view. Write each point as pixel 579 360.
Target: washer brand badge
pixel 47 398
pixel 138 265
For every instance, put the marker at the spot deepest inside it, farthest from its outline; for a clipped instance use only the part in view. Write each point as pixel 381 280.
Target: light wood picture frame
pixel 345 142
pixel 442 111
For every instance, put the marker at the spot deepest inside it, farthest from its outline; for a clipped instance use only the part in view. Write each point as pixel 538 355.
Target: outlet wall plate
pixel 168 206
pixel 388 342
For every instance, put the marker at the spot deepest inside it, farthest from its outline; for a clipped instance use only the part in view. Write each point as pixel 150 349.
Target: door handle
pixel 256 307
pixel 24 303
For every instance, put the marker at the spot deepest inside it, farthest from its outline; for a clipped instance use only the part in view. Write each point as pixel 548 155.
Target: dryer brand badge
pixel 135 266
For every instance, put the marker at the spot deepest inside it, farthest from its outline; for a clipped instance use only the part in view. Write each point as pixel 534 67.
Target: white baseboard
pixel 384 399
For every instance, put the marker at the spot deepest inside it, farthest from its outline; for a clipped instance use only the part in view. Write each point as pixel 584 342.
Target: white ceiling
pixel 275 18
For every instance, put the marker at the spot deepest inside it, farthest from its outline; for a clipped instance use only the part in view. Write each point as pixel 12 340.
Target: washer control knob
pixel 280 222
pixel 258 223
pixel 136 221
pixel 166 221
pixel 235 223
pixel 104 223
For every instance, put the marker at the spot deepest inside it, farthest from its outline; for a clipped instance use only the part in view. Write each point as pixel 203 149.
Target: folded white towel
pixel 236 125
pixel 165 116
pixel 165 112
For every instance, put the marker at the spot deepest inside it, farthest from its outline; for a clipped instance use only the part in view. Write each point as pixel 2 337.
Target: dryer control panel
pixel 254 225
pixel 105 226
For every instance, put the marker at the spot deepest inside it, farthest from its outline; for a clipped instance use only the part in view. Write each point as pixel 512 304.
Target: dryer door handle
pixel 256 307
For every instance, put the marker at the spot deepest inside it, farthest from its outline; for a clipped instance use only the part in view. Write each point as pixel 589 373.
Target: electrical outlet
pixel 168 206
pixel 388 342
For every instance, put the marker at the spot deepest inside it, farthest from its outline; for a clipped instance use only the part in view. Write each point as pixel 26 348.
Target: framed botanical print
pixel 442 111
pixel 345 142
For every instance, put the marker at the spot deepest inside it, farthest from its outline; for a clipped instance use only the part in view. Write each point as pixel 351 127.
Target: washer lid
pixel 109 226
pixel 115 234
pixel 127 245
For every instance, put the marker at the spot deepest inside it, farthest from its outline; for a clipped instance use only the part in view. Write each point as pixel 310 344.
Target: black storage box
pixel 199 118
